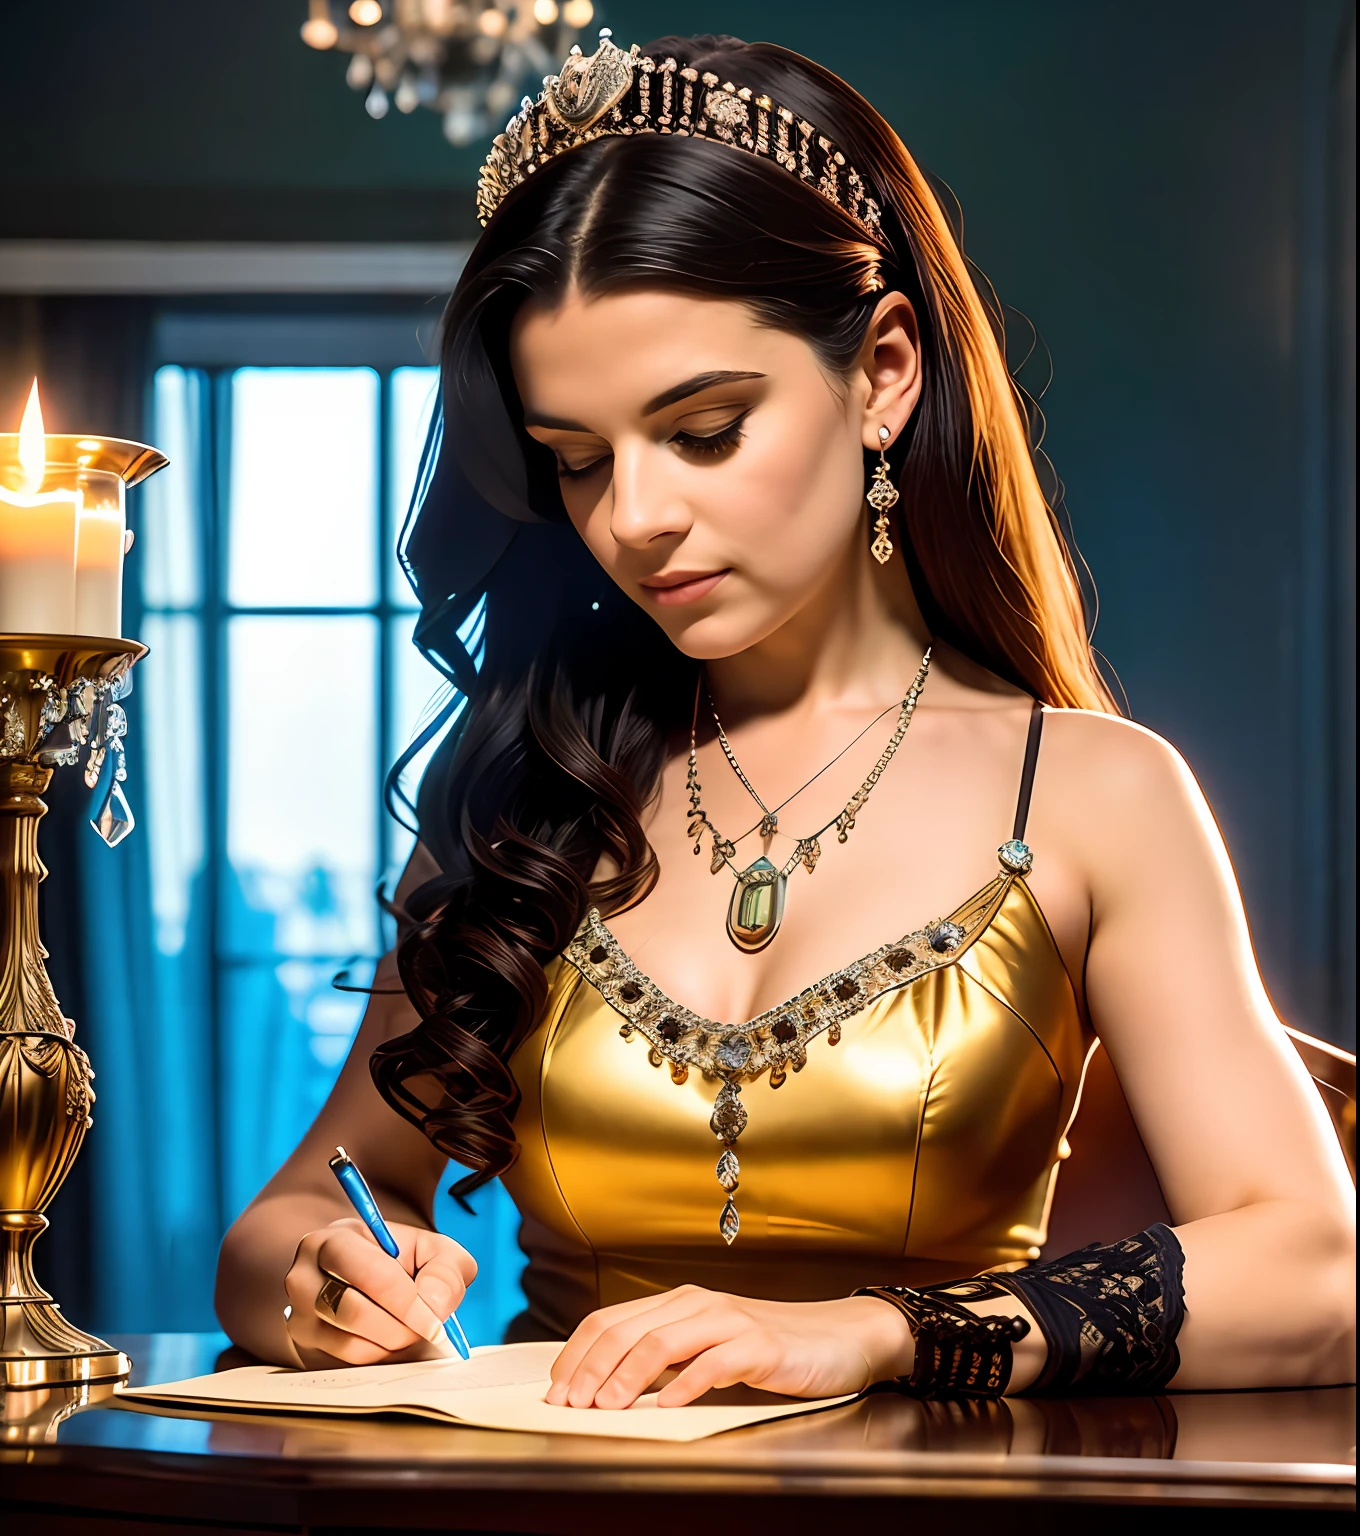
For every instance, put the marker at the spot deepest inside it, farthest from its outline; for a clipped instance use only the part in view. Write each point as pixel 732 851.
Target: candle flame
pixel 32 444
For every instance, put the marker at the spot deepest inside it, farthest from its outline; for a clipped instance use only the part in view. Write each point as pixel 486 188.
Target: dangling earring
pixel 882 495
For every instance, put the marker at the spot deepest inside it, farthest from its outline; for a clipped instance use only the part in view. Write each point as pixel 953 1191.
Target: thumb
pixel 443 1273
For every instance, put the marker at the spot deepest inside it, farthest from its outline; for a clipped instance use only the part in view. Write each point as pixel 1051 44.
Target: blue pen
pixel 361 1198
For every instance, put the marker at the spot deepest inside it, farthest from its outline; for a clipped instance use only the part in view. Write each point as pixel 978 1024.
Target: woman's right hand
pixel 391 1309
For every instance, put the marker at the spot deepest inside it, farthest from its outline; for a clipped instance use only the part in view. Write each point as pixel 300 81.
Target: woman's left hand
pixel 798 1348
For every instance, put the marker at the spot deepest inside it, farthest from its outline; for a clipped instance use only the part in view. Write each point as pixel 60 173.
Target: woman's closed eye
pixel 713 444
pixel 577 471
pixel 701 445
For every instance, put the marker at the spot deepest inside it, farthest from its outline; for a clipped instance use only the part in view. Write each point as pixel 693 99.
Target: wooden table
pixel 884 1463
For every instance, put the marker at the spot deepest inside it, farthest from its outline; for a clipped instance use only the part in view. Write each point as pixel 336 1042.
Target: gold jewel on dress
pixel 612 93
pixel 776 1041
pixel 756 910
pixel 882 497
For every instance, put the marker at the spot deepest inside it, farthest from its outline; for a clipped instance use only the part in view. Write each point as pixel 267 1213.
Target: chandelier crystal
pixel 469 60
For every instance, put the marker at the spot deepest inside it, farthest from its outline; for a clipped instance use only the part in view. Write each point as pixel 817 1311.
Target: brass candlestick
pixel 58 695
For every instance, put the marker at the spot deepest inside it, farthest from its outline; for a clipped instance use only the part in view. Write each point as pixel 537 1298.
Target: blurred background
pixel 229 230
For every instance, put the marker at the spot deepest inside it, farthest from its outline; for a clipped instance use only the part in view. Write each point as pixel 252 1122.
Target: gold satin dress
pixel 914 1136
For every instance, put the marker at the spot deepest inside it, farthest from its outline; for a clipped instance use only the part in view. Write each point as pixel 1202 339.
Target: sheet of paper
pixel 501 1387
pixel 523 1409
pixel 369 1387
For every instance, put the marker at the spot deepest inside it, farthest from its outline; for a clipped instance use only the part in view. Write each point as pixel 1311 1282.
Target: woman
pixel 731 452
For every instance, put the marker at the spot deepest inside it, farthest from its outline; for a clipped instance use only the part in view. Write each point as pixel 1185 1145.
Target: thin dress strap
pixel 1036 729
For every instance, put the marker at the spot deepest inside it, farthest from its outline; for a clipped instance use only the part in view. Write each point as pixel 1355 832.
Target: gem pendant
pixel 727 1124
pixel 757 906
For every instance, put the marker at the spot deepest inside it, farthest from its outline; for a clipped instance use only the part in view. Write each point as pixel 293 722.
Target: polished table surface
pixel 73 1466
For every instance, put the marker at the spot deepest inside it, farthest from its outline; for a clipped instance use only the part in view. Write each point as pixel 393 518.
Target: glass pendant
pixel 115 819
pixel 757 906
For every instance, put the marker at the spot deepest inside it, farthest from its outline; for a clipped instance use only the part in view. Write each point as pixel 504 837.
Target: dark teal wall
pixel 1152 185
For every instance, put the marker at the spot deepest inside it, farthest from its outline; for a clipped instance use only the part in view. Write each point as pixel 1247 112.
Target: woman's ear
pixel 891 363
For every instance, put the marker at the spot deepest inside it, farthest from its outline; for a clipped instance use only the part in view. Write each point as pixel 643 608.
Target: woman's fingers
pixel 383 1308
pixel 380 1304
pixel 356 1313
pixel 662 1347
pixel 752 1357
pixel 321 1346
pixel 352 1314
pixel 618 1330
pixel 818 1349
pixel 590 1329
pixel 443 1269
pixel 354 1257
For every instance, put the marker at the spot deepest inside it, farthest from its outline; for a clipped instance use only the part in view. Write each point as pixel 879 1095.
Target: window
pixel 281 686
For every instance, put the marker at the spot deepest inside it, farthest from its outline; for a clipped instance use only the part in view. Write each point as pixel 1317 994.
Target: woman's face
pixel 712 466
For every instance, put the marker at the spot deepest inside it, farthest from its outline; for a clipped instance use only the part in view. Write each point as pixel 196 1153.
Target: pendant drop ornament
pixel 729 1223
pixel 115 819
pixel 727 1124
pixel 882 496
pixel 728 1119
pixel 757 906
pixel 755 909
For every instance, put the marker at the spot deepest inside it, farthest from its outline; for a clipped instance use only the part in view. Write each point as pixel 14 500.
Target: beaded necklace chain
pixel 757 907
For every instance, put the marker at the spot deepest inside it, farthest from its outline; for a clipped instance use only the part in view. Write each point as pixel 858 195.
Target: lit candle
pixel 99 570
pixel 63 528
pixel 38 534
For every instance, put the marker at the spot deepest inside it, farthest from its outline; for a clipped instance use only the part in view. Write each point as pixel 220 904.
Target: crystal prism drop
pixel 729 1170
pixel 729 1223
pixel 115 819
pixel 59 738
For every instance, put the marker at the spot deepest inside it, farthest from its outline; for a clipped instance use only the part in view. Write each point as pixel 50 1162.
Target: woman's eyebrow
pixel 556 424
pixel 692 386
pixel 671 396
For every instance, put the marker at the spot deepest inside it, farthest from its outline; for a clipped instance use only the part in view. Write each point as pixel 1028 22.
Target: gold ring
pixel 328 1297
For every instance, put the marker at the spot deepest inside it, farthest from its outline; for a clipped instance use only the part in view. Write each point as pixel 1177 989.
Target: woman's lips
pixel 672 592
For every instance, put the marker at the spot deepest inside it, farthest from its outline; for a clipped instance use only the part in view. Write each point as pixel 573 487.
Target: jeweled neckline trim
pixel 775 1040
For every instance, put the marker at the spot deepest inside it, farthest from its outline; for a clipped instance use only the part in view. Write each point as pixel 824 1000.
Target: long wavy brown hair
pixel 568 719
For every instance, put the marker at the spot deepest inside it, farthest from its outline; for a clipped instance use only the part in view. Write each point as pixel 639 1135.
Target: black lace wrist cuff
pixel 1110 1314
pixel 958 1354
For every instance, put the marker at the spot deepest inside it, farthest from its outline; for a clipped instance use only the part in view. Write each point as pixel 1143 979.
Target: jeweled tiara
pixel 616 93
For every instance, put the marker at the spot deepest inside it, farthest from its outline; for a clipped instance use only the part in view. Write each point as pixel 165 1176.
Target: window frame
pixel 203 345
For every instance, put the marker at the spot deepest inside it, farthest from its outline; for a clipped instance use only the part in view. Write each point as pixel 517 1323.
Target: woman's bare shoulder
pixel 1118 789
pixel 1108 754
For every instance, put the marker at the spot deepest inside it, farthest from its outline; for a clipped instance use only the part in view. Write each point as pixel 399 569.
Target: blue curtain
pixel 155 1211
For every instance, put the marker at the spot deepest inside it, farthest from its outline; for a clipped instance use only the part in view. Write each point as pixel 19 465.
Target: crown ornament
pixel 611 93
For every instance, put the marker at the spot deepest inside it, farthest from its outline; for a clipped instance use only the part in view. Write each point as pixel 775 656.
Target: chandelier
pixel 467 59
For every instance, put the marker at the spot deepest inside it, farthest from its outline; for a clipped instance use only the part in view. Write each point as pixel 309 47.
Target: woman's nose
pixel 647 504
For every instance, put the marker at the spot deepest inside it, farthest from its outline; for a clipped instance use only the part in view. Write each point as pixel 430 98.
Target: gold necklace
pixel 756 910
